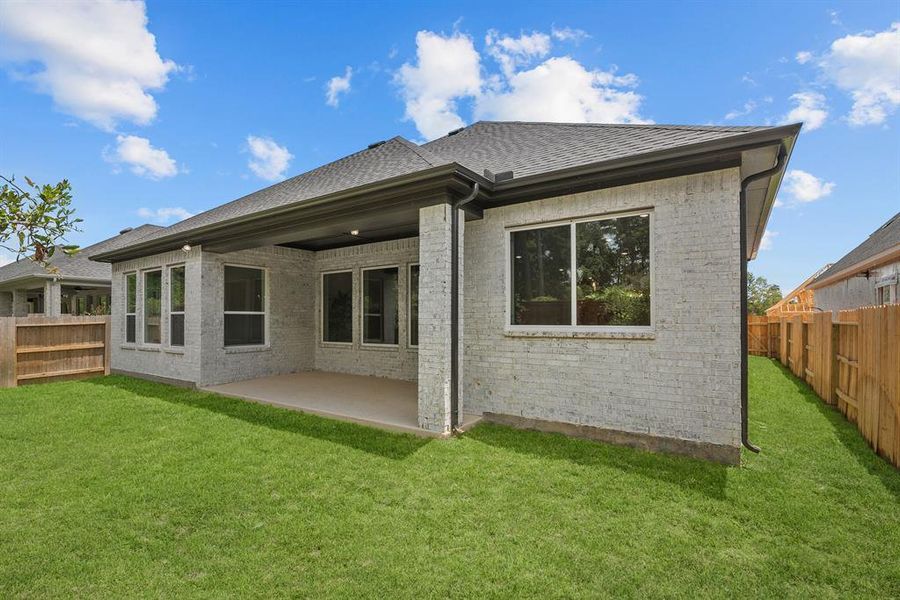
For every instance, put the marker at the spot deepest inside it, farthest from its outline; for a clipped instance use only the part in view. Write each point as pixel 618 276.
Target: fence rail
pixel 39 349
pixel 851 362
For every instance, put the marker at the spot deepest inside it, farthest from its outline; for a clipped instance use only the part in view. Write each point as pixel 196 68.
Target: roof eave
pixel 887 256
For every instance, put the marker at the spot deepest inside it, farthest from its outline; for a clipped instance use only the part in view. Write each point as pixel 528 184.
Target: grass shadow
pixel 848 435
pixel 395 446
pixel 692 475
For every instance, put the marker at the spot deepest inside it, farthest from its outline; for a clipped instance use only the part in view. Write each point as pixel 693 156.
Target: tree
pixel 761 294
pixel 34 222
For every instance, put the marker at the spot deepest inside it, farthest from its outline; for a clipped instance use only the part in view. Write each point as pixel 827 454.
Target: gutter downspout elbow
pixel 779 162
pixel 455 416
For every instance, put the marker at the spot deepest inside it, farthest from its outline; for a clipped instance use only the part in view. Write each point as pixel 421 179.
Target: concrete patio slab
pixel 375 401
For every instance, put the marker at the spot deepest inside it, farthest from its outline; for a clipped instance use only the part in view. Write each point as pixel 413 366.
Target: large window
pixel 380 303
pixel 414 305
pixel 610 259
pixel 245 306
pixel 130 306
pixel 152 306
pixel 176 306
pixel 337 307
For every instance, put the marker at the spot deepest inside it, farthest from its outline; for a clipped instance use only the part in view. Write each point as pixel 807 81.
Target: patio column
pixel 435 316
pixel 20 303
pixel 52 299
pixel 6 304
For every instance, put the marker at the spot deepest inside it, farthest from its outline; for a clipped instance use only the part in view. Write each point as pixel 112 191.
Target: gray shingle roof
pixel 524 148
pixel 533 148
pixel 884 238
pixel 78 266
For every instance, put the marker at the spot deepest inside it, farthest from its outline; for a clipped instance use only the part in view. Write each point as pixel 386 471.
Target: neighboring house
pixel 69 285
pixel 867 276
pixel 800 299
pixel 350 268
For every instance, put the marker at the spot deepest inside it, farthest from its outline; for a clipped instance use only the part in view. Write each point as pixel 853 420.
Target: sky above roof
pixel 157 112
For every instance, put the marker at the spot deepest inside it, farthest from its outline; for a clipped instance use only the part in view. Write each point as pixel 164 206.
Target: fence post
pixel 107 336
pixel 835 365
pixel 7 352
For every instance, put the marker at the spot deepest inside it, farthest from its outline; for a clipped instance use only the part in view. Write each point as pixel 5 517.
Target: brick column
pixel 435 318
pixel 19 303
pixel 52 299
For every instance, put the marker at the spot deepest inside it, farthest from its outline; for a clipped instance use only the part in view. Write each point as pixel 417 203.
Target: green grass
pixel 115 487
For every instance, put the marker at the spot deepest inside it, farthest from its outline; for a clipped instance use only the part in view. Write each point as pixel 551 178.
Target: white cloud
pixel 511 53
pixel 447 69
pixel 164 216
pixel 810 108
pixel 269 160
pixel 559 89
pixel 97 60
pixel 766 242
pixel 568 34
pixel 336 86
pixel 806 187
pixel 142 158
pixel 867 66
pixel 803 57
pixel 563 90
pixel 749 107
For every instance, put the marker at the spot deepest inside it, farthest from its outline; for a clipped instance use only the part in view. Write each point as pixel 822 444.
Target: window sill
pixel 148 348
pixel 581 335
pixel 244 349
pixel 342 345
pixel 128 347
pixel 381 347
pixel 174 350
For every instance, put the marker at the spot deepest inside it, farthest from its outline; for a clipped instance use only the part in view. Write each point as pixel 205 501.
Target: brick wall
pixel 396 362
pixel 682 383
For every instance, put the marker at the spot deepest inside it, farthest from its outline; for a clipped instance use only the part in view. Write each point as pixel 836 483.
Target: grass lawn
pixel 116 487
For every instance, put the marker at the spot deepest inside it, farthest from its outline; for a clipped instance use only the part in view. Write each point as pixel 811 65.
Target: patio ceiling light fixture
pixel 354 232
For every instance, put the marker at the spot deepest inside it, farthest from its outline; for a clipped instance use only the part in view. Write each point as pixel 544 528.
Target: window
pixel 886 294
pixel 337 307
pixel 34 300
pixel 152 306
pixel 176 306
pixel 413 305
pixel 610 260
pixel 245 312
pixel 130 306
pixel 380 302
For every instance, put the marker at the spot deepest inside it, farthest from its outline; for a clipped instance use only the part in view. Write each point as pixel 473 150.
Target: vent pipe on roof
pixel 455 131
pixel 376 144
pixel 126 230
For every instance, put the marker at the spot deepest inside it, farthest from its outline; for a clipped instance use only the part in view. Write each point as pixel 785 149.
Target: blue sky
pixel 155 112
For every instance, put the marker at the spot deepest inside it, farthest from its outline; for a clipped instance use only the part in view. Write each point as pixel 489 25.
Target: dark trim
pixel 455 207
pixel 720 453
pixel 745 366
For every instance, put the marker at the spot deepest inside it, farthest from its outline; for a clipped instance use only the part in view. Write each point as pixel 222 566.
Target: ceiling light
pixel 354 232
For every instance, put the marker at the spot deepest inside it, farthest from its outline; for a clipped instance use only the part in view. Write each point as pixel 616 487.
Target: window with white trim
pixel 337 307
pixel 584 273
pixel 176 306
pixel 245 306
pixel 414 306
pixel 152 306
pixel 130 307
pixel 380 306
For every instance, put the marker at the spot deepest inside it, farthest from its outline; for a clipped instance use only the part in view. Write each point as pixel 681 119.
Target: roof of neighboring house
pixel 797 290
pixel 882 245
pixel 526 149
pixel 79 266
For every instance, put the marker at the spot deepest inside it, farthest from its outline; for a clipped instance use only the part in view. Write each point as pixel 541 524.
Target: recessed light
pixel 354 232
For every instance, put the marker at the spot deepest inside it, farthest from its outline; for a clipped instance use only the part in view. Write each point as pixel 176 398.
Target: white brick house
pixel 598 277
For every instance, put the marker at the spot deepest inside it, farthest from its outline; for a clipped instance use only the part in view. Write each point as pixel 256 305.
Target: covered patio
pixel 380 402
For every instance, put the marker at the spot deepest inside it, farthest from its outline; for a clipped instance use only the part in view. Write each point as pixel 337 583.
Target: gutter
pixel 745 361
pixel 455 413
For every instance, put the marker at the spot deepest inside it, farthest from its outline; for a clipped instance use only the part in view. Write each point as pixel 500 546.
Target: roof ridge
pixel 427 155
pixel 631 125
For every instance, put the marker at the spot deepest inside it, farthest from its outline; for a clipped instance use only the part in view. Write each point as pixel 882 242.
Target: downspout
pixel 745 361
pixel 455 417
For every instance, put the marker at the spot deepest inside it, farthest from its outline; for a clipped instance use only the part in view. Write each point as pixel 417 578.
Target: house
pixel 567 277
pixel 800 299
pixel 69 285
pixel 867 276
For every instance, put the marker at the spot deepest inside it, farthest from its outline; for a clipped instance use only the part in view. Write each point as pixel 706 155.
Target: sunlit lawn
pixel 116 487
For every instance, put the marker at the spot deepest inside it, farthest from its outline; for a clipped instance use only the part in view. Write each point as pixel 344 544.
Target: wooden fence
pixel 39 349
pixel 851 362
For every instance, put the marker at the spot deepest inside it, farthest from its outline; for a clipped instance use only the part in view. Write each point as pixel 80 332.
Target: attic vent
pixel 455 131
pixel 126 230
pixel 376 144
